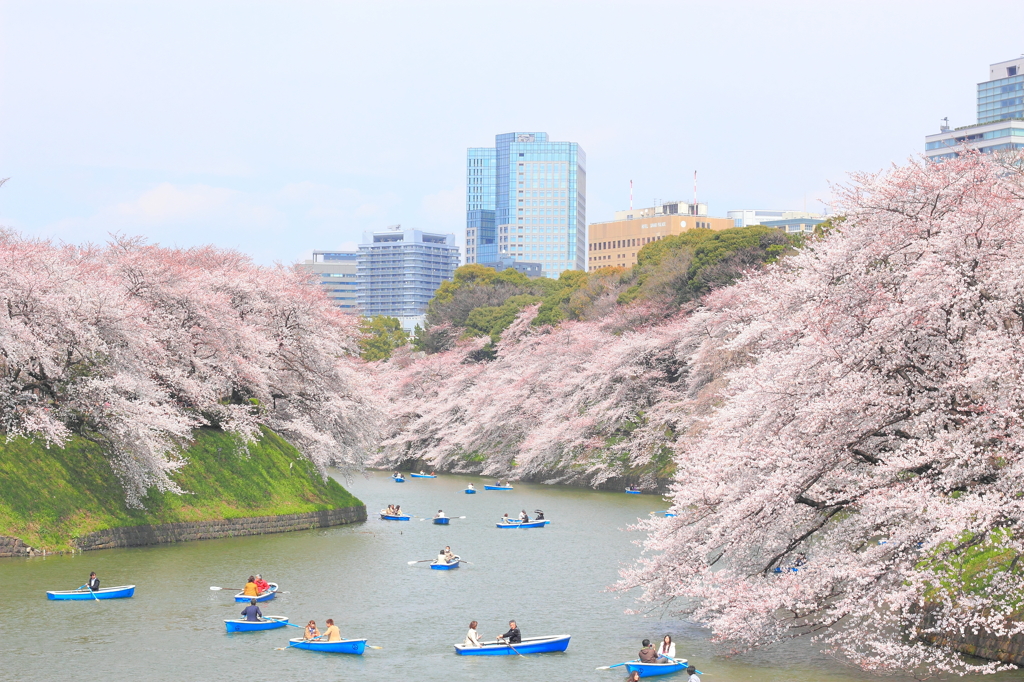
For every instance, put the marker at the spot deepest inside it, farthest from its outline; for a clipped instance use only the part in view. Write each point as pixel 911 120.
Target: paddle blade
pixel 373 647
pixel 216 588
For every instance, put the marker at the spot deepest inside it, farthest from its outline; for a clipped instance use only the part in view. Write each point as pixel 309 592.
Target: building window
pixel 1011 71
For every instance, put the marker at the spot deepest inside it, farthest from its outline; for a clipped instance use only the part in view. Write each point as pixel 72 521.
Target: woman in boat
pixel 442 558
pixel 523 516
pixel 439 515
pixel 396 475
pixel 261 584
pixel 667 648
pixel 505 519
pixel 311 631
pixel 398 510
pixel 539 513
pixel 432 473
pixel 422 473
pixel 94 582
pixel 250 589
pixel 472 639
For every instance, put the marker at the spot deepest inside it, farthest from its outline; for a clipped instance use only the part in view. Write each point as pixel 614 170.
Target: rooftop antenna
pixel 944 128
pixel 630 196
pixel 696 211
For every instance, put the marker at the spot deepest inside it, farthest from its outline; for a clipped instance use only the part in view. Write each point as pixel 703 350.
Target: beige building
pixel 337 273
pixel 615 243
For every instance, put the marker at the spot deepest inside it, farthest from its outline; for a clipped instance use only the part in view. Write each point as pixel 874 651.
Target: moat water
pixel 551 580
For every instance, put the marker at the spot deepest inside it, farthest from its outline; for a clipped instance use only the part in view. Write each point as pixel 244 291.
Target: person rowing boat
pixel 513 636
pixel 439 514
pixel 94 582
pixel 524 517
pixel 252 612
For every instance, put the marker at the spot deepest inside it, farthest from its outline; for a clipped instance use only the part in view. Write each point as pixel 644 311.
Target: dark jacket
pixel 513 636
pixel 648 655
pixel 94 584
pixel 252 612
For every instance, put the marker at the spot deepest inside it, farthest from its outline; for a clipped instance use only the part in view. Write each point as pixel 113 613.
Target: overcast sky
pixel 281 127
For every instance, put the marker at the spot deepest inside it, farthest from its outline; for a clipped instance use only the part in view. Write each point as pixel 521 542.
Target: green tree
pixel 381 336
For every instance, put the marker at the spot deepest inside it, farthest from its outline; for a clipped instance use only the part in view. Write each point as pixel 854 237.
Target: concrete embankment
pixel 138 536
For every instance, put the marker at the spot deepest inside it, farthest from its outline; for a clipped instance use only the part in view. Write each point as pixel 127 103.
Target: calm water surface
pixel 550 580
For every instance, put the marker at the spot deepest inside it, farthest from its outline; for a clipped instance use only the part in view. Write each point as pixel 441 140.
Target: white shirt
pixel 473 640
pixel 693 678
pixel 441 559
pixel 440 515
pixel 671 653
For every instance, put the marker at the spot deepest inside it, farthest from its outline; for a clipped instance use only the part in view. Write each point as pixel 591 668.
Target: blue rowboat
pixel 242 625
pixel 423 475
pixel 530 645
pixel 395 517
pixel 497 487
pixel 666 514
pixel 442 521
pixel 345 646
pixel 632 492
pixel 470 491
pixel 120 592
pixel 516 523
pixel 398 480
pixel 266 596
pixel 671 665
pixel 446 566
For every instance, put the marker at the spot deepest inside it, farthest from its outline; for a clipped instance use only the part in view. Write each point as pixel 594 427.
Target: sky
pixel 276 128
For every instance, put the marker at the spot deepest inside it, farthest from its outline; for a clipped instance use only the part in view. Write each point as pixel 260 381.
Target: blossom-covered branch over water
pixel 136 345
pixel 869 434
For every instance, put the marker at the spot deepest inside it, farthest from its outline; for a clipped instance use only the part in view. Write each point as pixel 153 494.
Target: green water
pixel 550 580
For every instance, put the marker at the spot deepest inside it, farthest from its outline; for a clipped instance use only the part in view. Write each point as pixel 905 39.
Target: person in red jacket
pixel 261 584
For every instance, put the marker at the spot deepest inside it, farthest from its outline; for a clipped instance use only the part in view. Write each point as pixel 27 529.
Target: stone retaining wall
pixel 137 536
pixel 1007 649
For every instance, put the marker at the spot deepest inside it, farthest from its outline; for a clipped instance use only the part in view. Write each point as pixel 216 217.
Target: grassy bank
pixel 48 497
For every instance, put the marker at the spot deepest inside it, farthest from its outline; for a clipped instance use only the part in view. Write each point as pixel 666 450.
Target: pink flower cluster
pixel 136 345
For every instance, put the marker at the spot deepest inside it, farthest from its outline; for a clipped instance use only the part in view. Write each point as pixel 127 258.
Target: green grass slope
pixel 50 496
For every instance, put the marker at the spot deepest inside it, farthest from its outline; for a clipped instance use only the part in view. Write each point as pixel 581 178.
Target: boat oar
pixel 231 589
pixel 282 648
pixel 509 645
pixel 609 667
pixel 421 561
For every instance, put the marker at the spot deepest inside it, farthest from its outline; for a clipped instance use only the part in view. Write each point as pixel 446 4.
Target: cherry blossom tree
pixel 136 345
pixel 557 403
pixel 858 474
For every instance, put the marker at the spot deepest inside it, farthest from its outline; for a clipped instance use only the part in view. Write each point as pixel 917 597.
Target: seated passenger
pixel 448 556
pixel 250 588
pixel 524 517
pixel 311 631
pixel 539 513
pixel 440 514
pixel 470 487
pixel 261 584
pixel 472 639
pixel 442 558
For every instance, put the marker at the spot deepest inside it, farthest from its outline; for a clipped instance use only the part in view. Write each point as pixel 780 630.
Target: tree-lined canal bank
pixel 550 580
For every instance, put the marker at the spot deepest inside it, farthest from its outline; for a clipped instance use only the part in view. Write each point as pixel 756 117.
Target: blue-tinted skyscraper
pixel 526 200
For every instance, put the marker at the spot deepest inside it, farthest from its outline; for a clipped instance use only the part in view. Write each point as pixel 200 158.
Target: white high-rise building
pixel 1000 112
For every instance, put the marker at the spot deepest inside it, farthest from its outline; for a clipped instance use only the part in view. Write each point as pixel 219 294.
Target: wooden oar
pixel 509 645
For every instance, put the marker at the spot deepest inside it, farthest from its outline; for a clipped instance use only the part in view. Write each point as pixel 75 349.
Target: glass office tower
pixel 526 201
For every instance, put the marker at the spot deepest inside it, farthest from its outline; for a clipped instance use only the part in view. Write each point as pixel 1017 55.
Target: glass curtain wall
pixel 539 203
